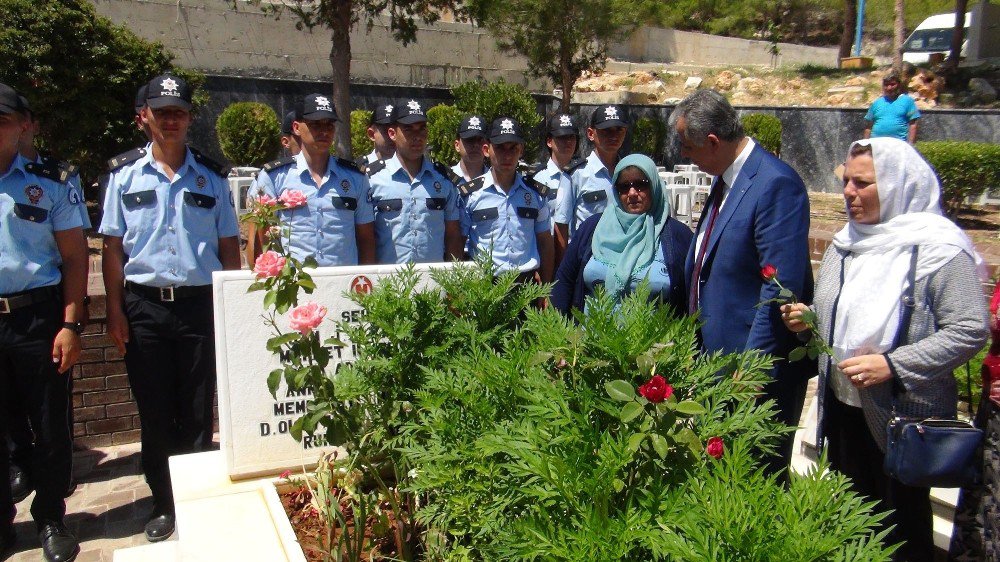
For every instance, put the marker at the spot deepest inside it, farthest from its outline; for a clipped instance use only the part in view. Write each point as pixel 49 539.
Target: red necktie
pixel 715 200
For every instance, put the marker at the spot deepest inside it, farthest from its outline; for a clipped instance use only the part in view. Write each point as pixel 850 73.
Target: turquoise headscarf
pixel 628 243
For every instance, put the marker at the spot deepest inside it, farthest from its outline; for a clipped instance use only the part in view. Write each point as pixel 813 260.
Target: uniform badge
pixel 74 197
pixel 527 199
pixel 361 285
pixel 345 185
pixel 506 127
pixel 201 182
pixel 611 112
pixel 437 187
pixel 34 193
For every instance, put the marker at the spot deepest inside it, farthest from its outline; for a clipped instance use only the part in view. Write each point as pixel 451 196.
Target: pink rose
pixel 293 198
pixel 274 232
pixel 269 264
pixel 266 200
pixel 715 447
pixel 286 475
pixel 306 317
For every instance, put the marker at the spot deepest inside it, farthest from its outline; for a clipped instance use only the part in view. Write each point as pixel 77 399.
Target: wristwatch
pixel 75 326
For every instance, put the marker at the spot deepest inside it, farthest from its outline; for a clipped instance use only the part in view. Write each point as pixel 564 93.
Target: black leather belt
pixel 14 301
pixel 168 294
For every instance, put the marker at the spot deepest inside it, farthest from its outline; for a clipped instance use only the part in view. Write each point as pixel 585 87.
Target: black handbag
pixel 932 452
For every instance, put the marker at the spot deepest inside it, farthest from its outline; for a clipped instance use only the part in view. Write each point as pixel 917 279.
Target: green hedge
pixel 502 99
pixel 442 128
pixel 964 168
pixel 249 133
pixel 765 129
pixel 360 143
pixel 648 137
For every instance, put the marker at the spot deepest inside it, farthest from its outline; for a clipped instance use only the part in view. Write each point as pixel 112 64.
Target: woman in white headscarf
pixel 892 203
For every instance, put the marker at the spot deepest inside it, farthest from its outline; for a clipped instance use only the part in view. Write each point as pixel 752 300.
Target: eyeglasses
pixel 639 185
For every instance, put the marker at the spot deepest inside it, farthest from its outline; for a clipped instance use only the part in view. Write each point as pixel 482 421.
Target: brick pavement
pixel 107 511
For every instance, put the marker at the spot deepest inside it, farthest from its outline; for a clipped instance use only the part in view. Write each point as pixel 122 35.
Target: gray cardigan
pixel 948 327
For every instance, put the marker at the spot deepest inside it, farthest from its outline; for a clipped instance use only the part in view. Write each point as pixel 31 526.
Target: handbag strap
pixel 905 314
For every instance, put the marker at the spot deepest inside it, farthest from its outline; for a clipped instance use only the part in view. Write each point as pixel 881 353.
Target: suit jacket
pixel 765 220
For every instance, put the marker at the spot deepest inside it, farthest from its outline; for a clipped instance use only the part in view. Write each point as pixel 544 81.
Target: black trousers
pixel 20 439
pixel 170 359
pixel 853 452
pixel 788 394
pixel 42 393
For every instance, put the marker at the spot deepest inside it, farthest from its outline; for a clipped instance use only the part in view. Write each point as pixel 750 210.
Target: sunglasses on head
pixel 639 185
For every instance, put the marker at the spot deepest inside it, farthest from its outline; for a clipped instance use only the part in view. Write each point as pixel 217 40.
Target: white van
pixel 933 35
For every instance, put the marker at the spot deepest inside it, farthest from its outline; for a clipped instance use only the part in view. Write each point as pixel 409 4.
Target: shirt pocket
pixel 481 216
pixel 198 215
pixel 138 200
pixel 199 200
pixel 594 200
pixel 345 203
pixel 436 203
pixel 388 211
pixel 30 213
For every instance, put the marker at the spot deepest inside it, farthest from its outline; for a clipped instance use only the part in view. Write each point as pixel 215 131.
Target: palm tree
pixel 898 36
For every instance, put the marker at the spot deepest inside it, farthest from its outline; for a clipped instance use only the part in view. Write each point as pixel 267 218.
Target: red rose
pixel 715 447
pixel 768 272
pixel 285 475
pixel 656 390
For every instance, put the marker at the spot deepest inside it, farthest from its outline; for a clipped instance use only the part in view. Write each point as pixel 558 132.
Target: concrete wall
pixel 653 44
pixel 211 36
pixel 984 34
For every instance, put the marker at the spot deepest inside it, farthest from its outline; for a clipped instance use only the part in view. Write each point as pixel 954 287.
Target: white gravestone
pixel 253 425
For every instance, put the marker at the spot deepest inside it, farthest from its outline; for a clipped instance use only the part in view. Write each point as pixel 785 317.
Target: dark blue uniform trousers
pixel 170 358
pixel 34 383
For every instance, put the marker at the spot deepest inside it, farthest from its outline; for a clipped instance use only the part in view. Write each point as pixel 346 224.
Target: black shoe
pixel 7 540
pixel 160 527
pixel 58 544
pixel 20 484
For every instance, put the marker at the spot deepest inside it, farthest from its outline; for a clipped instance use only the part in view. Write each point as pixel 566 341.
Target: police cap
pixel 286 123
pixel 607 116
pixel 168 90
pixel 382 115
pixel 471 127
pixel 315 107
pixel 10 100
pixel 410 111
pixel 505 129
pixel 562 125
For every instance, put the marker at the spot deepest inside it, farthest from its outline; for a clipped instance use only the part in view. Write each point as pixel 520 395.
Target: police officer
pixel 289 142
pixel 336 225
pixel 588 187
pixel 505 215
pixel 43 280
pixel 416 206
pixel 169 222
pixel 378 133
pixel 470 146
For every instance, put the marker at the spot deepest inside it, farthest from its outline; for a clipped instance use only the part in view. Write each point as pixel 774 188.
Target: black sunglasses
pixel 639 185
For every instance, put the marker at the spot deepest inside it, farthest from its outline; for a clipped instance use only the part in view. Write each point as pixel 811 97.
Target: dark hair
pixel 707 112
pixel 859 149
pixel 890 79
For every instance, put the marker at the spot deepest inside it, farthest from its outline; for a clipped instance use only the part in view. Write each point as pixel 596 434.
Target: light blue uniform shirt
pixel 170 229
pixel 892 118
pixel 410 216
pixel 552 176
pixel 506 223
pixel 32 210
pixel 595 272
pixel 324 228
pixel 75 193
pixel 584 193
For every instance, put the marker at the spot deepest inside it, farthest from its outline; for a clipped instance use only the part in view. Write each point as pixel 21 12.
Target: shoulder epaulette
pixel 49 170
pixel 574 164
pixel 352 165
pixel 362 163
pixel 126 158
pixel 375 167
pixel 275 164
pixel 471 186
pixel 69 169
pixel 447 172
pixel 537 186
pixel 207 162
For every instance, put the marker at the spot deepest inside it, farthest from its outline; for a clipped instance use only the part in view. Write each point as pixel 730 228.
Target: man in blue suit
pixel 756 215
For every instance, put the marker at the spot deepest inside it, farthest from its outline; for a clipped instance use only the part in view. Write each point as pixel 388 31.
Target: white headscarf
pixel 910 215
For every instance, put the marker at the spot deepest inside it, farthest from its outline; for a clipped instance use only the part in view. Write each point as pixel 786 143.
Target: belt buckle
pixel 4 306
pixel 167 294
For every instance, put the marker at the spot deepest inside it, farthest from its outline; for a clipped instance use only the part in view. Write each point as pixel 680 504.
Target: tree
pixel 850 22
pixel 80 73
pixel 560 38
pixel 898 36
pixel 957 36
pixel 340 16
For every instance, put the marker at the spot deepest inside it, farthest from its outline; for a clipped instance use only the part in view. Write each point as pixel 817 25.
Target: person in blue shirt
pixel 561 139
pixel 43 280
pixel 336 226
pixel 895 114
pixel 289 143
pixel 469 145
pixel 416 206
pixel 378 133
pixel 586 190
pixel 505 216
pixel 169 222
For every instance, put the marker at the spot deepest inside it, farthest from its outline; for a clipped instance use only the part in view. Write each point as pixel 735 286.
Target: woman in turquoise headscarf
pixel 633 240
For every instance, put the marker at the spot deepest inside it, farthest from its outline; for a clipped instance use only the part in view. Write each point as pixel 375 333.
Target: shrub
pixel 249 133
pixel 442 128
pixel 360 143
pixel 648 136
pixel 964 169
pixel 500 98
pixel 765 129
